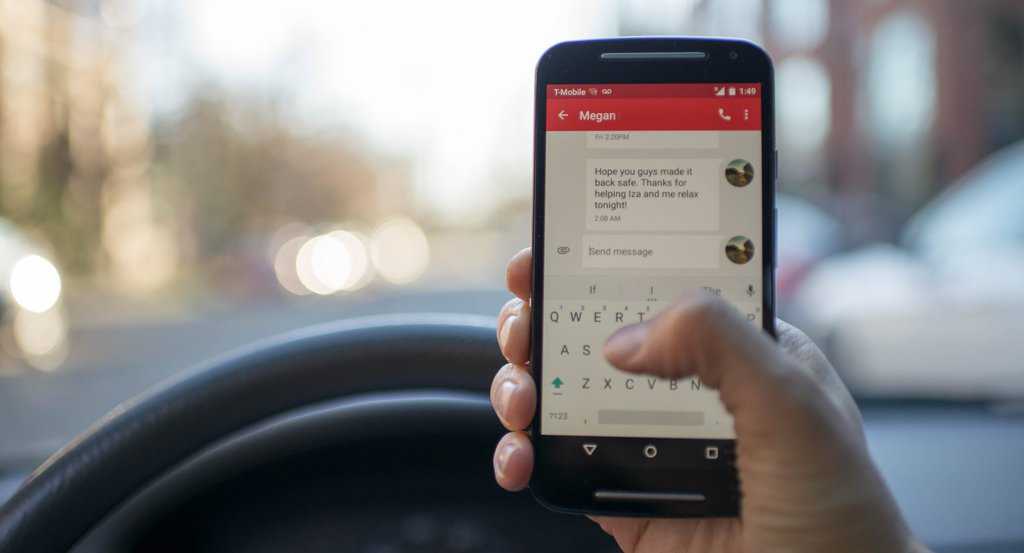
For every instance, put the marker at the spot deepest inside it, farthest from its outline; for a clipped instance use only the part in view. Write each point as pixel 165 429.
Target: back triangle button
pixel 589 449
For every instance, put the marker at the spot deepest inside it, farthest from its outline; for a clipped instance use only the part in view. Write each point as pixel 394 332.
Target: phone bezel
pixel 568 486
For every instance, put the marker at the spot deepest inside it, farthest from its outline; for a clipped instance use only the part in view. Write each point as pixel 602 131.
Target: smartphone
pixel 654 174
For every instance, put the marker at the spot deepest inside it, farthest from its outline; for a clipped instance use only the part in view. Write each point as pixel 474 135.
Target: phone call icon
pixel 725 116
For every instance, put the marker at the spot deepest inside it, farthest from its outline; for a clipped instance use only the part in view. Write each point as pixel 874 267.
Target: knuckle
pixel 506 371
pixel 518 342
pixel 511 307
pixel 494 383
pixel 517 372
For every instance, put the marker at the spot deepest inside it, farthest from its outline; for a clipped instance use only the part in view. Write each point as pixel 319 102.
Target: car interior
pixel 185 365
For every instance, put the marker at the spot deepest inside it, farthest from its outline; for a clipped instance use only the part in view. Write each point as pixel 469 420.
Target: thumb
pixel 701 336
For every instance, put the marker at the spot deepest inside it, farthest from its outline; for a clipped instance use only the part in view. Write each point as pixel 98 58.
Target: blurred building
pixel 880 103
pixel 74 149
pixel 922 91
pixel 883 103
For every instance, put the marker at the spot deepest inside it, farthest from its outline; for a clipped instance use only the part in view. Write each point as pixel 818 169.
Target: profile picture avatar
pixel 739 249
pixel 739 172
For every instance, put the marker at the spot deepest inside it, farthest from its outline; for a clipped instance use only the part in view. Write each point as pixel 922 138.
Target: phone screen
pixel 650 190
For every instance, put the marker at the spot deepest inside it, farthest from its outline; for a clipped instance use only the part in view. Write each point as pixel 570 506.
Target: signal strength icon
pixel 720 91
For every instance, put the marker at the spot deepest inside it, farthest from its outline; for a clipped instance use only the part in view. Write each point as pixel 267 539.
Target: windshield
pixel 181 178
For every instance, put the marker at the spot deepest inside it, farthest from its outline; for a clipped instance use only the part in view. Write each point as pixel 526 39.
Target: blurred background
pixel 178 178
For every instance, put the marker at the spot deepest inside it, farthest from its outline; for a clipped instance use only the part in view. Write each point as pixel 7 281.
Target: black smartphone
pixel 654 173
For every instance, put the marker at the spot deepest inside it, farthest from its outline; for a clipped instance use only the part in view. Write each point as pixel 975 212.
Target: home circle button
pixel 650 451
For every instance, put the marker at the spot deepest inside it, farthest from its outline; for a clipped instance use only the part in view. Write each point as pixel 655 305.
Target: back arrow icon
pixel 562 115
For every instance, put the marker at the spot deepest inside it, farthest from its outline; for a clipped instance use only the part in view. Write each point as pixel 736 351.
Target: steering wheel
pixel 337 383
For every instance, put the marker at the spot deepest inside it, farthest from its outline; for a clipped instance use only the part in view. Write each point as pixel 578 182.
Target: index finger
pixel 519 274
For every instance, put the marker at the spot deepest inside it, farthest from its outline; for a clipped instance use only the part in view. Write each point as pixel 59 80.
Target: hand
pixel 807 481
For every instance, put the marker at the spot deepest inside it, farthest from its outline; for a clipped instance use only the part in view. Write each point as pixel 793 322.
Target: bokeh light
pixel 400 251
pixel 41 337
pixel 332 262
pixel 799 24
pixel 898 92
pixel 35 283
pixel 322 264
pixel 360 273
pixel 285 266
pixel 804 105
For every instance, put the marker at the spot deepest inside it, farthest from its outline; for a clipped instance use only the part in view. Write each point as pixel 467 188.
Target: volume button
pixel 775 168
pixel 775 237
pixel 775 212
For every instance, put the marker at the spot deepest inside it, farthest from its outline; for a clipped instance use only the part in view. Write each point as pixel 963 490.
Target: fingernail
pixel 624 344
pixel 501 457
pixel 506 327
pixel 503 395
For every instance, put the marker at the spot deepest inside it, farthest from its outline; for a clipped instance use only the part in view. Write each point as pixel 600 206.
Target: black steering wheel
pixel 337 383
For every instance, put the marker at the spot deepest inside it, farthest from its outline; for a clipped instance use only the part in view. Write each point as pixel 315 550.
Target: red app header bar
pixel 654 114
pixel 654 107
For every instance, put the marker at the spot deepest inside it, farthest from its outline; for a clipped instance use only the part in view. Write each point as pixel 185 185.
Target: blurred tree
pixel 237 169
pixel 147 200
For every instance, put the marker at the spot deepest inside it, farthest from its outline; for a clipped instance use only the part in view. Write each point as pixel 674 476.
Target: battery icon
pixel 732 91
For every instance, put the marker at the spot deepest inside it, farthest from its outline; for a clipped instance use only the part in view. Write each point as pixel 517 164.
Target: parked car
pixel 939 313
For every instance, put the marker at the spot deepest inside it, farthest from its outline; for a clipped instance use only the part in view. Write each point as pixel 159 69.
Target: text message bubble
pixel 647 251
pixel 652 140
pixel 652 194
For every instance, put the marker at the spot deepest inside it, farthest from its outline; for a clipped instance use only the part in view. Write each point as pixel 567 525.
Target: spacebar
pixel 648 418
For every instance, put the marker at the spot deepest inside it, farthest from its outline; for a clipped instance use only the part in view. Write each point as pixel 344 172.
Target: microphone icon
pixel 750 290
